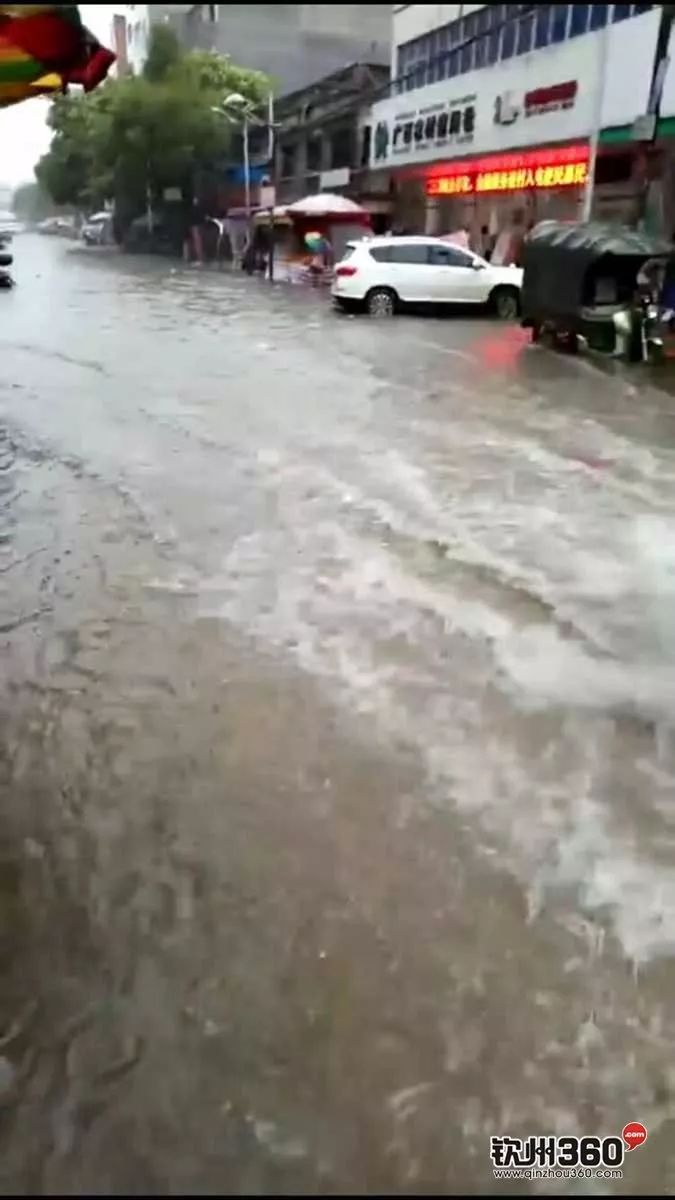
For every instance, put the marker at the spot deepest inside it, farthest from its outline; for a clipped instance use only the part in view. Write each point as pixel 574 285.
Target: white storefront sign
pixel 337 178
pixel 537 99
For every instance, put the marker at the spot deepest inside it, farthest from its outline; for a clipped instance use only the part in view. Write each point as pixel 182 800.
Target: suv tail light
pixel 345 272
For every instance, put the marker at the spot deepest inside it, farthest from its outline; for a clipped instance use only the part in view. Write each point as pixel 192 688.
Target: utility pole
pixel 272 150
pixel 659 68
pixel 587 206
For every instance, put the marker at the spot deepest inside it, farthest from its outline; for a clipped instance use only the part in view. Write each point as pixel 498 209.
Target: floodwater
pixel 337 752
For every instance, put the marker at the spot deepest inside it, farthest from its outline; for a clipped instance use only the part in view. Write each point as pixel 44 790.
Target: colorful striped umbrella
pixel 43 48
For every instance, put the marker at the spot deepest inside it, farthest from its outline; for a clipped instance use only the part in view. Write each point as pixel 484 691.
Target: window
pixel 559 22
pixel 640 8
pixel 448 256
pixel 508 39
pixel 413 252
pixel 454 32
pixel 579 19
pixel 621 12
pixel 493 46
pixel 453 64
pixel 443 67
pixel 599 15
pixel 366 142
pixel 381 253
pixel 497 15
pixel 468 27
pixel 466 61
pixel 481 52
pixel 542 26
pixel 483 23
pixel 525 33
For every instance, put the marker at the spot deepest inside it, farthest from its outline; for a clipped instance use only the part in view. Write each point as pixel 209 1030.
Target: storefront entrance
pixel 497 198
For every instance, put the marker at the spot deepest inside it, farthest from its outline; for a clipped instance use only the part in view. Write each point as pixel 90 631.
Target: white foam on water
pixel 464 680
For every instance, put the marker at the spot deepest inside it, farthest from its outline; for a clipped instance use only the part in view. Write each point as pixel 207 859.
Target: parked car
pixel 59 226
pixel 381 274
pixel 9 225
pixel 97 229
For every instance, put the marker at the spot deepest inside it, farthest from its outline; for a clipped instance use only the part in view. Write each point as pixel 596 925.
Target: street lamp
pixel 233 106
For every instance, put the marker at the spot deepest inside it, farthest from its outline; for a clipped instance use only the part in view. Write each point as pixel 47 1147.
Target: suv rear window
pixel 410 253
pixel 381 253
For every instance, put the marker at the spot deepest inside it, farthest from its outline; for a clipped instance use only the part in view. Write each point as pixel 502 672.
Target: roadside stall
pixel 311 234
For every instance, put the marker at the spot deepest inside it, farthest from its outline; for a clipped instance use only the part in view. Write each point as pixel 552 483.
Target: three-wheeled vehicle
pixel 600 285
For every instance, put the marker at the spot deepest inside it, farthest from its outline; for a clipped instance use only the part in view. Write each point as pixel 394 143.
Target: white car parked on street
pixel 380 274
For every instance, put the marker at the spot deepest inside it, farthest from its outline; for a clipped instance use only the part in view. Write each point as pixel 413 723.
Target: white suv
pixel 381 273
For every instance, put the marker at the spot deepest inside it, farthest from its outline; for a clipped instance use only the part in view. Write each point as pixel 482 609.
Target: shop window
pixel 481 52
pixel 508 39
pixel 599 14
pixel 525 34
pixel 542 26
pixel 621 12
pixel 579 19
pixel 466 61
pixel 613 168
pixel 559 22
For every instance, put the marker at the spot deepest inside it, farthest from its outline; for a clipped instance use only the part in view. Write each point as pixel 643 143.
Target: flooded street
pixel 337 751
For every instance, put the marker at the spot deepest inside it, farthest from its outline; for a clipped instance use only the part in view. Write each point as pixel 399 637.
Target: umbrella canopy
pixel 43 48
pixel 327 204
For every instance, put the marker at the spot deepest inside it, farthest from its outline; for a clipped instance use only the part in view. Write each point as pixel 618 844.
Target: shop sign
pixel 551 99
pixel 513 173
pixel 449 123
pixel 536 102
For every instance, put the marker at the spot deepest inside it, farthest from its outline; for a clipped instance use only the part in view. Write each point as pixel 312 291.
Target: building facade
pixel 491 110
pixel 318 140
pixel 295 44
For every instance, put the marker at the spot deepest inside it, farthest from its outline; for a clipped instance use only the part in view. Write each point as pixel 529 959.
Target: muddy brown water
pixel 336 746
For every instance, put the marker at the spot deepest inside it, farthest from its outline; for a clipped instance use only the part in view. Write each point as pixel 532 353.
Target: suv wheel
pixel 506 302
pixel 381 302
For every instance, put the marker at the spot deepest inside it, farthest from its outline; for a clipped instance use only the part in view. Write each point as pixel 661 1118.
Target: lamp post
pixel 233 105
pixel 236 107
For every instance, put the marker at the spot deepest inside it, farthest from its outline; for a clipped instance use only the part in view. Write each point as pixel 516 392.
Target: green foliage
pixel 133 137
pixel 164 53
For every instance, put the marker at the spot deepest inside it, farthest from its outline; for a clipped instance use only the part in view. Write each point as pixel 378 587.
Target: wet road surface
pixel 336 743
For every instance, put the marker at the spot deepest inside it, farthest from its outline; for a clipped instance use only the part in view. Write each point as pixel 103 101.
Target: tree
pixel 135 137
pixel 164 53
